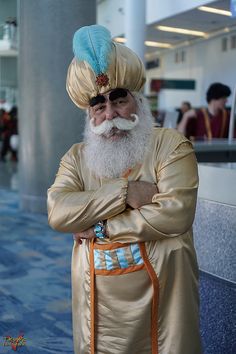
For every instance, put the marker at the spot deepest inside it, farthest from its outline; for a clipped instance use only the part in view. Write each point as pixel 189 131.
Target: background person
pixel 128 194
pixel 210 122
pixel 8 127
pixel 14 138
pixel 185 107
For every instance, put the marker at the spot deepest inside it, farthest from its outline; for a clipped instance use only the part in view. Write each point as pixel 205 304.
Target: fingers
pixel 87 235
pixel 77 238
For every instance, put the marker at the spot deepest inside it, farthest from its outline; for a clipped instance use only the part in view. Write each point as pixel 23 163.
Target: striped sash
pixel 117 258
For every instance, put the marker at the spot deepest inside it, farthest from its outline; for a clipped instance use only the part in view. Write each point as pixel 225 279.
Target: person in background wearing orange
pixel 211 122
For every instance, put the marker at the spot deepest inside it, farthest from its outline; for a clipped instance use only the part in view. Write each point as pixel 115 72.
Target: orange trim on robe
pixel 110 246
pixel 92 298
pixel 119 271
pixel 153 278
pixel 155 284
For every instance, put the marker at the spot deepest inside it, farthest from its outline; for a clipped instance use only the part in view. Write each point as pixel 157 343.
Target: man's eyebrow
pixel 118 93
pixel 96 100
pixel 114 94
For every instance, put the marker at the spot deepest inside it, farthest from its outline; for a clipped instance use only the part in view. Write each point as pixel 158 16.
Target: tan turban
pixel 125 70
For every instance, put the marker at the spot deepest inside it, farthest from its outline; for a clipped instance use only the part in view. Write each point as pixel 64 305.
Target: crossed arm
pixel 153 215
pixel 139 193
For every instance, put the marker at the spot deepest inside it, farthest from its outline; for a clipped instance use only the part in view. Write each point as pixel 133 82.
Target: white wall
pixel 110 13
pixel 205 63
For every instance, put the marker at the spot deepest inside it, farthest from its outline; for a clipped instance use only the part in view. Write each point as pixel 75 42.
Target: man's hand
pixel 87 234
pixel 140 193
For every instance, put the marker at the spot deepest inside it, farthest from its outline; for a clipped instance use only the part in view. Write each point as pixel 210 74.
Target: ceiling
pixel 193 20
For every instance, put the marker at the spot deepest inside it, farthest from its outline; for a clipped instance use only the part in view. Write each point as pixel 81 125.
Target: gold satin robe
pixel 137 292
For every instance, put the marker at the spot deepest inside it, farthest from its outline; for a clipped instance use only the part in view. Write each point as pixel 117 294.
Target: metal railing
pixel 8 35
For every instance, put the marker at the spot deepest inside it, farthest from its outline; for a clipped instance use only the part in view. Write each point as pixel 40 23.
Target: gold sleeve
pixel 173 207
pixel 71 209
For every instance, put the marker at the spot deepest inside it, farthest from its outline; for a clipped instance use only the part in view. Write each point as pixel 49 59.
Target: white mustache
pixel 119 123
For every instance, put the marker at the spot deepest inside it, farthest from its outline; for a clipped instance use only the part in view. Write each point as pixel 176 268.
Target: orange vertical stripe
pixel 92 299
pixel 155 284
pixel 224 119
pixel 207 124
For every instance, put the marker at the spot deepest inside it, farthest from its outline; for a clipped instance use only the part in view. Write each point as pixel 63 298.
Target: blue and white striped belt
pixel 122 258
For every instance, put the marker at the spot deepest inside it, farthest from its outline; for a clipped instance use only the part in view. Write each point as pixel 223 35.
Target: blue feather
pixel 93 44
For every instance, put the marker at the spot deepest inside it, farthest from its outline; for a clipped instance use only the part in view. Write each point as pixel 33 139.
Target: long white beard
pixel 106 158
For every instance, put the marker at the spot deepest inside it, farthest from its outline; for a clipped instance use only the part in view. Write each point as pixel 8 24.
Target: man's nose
pixel 110 112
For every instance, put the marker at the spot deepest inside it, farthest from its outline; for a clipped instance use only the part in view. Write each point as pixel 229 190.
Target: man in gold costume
pixel 128 194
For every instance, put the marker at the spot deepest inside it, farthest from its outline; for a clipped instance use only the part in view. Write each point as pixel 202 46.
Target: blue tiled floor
pixel 35 293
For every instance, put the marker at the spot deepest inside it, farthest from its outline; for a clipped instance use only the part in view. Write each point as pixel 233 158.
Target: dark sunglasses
pixel 113 95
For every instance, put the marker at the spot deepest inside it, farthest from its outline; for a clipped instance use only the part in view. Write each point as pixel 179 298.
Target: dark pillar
pixel 49 123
